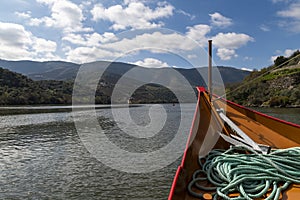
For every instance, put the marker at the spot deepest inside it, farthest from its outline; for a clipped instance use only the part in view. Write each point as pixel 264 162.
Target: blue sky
pixel 152 33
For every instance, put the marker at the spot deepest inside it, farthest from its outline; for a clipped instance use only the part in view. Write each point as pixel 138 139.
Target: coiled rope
pixel 246 174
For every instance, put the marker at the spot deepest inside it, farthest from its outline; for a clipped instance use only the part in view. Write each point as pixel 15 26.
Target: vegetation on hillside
pixel 17 89
pixel 277 85
pixel 274 86
pixel 52 82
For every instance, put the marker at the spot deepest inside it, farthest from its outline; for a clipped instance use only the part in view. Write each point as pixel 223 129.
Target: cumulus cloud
pixel 155 42
pixel 64 14
pixel 292 13
pixel 226 54
pixel 231 40
pixel 134 15
pixel 227 43
pixel 43 45
pixel 90 54
pixel 199 33
pixel 151 63
pixel 219 20
pixel 18 43
pixel 24 15
pixel 90 40
pixel 14 40
pixel 285 53
pixel 289 52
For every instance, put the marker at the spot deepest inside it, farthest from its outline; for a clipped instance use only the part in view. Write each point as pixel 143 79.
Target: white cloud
pixel 24 15
pixel 192 17
pixel 14 40
pixel 226 54
pixel 289 52
pixel 90 40
pixel 110 46
pixel 198 33
pixel 227 43
pixel 278 1
pixel 247 69
pixel 48 2
pixel 248 58
pixel 155 42
pixel 64 14
pixel 151 63
pixel 231 40
pixel 90 54
pixel 18 43
pixel 158 41
pixel 292 13
pixel 134 15
pixel 273 58
pixel 285 53
pixel 264 28
pixel 126 2
pixel 43 45
pixel 219 20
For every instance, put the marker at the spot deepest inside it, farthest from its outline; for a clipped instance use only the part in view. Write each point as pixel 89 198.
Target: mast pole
pixel 210 68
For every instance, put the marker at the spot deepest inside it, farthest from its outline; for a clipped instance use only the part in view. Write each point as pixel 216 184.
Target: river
pixel 43 157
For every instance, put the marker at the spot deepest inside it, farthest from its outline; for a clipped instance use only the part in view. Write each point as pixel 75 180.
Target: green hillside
pixel 17 89
pixel 52 82
pixel 274 86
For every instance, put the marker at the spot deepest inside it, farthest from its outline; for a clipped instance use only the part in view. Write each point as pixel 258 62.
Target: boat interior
pixel 210 130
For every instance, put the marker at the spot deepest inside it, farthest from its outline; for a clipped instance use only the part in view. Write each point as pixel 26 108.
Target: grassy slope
pixel 277 85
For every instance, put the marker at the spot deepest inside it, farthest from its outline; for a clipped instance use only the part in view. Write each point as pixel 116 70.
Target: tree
pixel 280 60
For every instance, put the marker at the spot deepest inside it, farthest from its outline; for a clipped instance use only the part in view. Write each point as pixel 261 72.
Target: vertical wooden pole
pixel 210 68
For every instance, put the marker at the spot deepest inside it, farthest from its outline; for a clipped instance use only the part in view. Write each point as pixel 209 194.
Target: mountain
pixel 274 86
pixel 50 70
pixel 17 89
pixel 53 82
pixel 59 70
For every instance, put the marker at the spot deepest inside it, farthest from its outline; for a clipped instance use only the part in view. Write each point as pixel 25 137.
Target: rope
pixel 241 170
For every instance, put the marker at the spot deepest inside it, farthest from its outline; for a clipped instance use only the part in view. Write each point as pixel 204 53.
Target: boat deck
pixel 261 128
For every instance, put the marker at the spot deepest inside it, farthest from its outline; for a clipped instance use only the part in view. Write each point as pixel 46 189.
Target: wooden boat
pixel 261 128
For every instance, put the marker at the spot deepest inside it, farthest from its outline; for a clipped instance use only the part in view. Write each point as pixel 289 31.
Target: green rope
pixel 243 171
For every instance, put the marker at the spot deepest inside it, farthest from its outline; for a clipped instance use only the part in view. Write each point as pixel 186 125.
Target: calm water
pixel 42 156
pixel 287 114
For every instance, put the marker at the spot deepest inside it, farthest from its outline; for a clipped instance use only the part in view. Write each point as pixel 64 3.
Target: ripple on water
pixel 42 157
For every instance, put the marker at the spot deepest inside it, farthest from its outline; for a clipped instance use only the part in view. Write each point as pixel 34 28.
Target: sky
pixel 246 34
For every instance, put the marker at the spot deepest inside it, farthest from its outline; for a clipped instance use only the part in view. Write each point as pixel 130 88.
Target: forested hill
pixel 17 89
pixel 274 86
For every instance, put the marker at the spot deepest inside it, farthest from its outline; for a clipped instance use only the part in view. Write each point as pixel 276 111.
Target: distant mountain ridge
pixel 60 70
pixel 49 70
pixel 30 82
